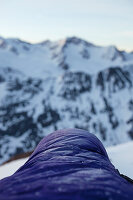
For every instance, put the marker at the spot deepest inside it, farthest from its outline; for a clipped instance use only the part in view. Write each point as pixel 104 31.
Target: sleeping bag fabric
pixel 69 164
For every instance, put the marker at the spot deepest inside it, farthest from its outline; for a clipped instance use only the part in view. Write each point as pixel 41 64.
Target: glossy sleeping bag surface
pixel 69 164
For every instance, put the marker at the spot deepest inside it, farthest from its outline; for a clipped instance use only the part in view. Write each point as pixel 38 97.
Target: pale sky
pixel 103 22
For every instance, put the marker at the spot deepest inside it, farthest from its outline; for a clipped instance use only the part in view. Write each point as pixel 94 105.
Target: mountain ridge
pixel 68 83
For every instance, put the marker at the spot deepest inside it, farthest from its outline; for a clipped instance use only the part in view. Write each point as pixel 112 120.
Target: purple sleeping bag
pixel 69 164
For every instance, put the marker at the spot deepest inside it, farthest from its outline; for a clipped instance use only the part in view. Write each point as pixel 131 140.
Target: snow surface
pixel 121 156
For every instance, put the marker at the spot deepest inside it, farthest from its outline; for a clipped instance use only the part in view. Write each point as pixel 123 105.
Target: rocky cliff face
pixel 68 83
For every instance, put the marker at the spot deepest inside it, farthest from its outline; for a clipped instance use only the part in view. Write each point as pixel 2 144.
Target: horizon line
pixel 55 40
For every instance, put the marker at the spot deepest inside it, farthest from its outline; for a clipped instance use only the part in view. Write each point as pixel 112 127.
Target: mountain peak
pixel 112 53
pixel 76 40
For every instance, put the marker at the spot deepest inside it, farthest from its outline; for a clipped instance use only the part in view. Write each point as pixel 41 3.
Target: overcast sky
pixel 103 22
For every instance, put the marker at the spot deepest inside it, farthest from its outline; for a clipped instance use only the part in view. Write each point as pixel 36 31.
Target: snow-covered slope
pixel 121 156
pixel 67 83
pixel 37 60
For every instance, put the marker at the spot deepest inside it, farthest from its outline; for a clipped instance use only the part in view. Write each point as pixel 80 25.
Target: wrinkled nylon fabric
pixel 69 164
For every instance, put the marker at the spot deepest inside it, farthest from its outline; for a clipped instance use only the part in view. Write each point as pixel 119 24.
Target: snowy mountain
pixel 67 83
